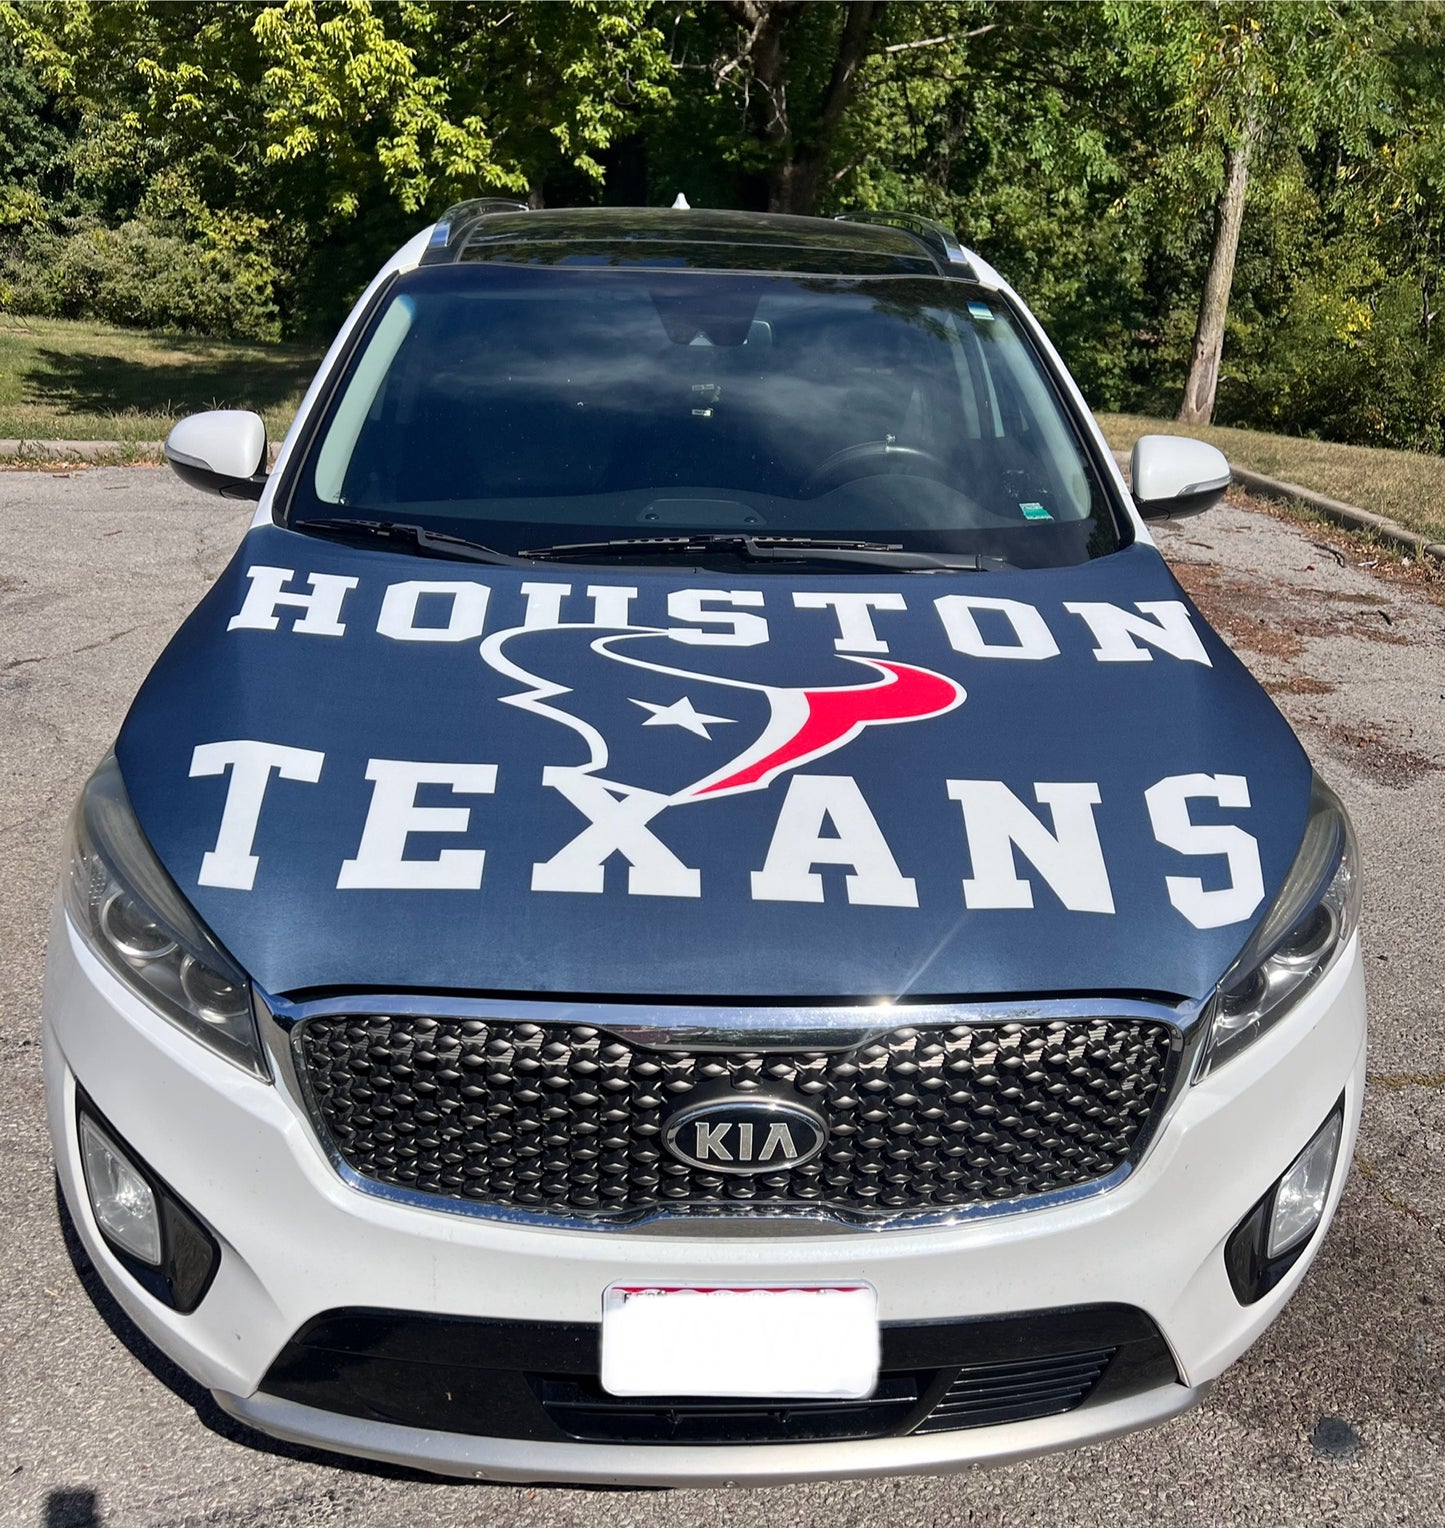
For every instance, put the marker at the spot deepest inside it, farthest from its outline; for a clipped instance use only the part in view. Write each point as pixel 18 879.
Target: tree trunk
pixel 793 186
pixel 1203 379
pixel 794 182
pixel 800 150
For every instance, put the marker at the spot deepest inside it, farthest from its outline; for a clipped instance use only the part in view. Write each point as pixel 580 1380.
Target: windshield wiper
pixel 767 549
pixel 753 548
pixel 437 542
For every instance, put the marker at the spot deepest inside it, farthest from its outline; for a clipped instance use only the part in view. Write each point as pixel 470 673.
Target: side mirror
pixel 222 451
pixel 1173 477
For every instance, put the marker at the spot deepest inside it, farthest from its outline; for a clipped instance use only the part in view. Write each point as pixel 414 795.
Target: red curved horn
pixel 836 715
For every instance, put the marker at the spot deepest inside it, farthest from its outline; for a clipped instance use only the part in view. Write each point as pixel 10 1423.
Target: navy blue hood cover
pixel 378 771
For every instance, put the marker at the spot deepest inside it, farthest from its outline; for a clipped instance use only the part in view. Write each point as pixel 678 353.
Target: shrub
pixel 1362 369
pixel 140 274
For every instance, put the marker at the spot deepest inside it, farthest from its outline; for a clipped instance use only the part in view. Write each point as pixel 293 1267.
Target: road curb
pixel 1348 515
pixel 79 450
pixel 136 452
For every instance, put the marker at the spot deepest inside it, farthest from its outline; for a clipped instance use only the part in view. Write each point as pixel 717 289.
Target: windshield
pixel 528 408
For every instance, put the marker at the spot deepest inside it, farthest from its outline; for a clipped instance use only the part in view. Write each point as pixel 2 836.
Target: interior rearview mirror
pixel 1173 476
pixel 222 451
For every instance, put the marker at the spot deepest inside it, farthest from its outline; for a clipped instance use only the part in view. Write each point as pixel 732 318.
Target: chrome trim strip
pixel 720 1028
pixel 704 1221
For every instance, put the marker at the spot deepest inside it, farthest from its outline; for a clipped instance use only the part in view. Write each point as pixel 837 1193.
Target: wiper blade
pixel 753 548
pixel 705 541
pixel 766 549
pixel 790 549
pixel 437 542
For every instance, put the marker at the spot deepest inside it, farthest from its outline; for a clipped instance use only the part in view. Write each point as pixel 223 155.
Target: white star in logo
pixel 681 713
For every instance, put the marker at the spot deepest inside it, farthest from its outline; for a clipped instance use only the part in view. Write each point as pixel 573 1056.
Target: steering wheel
pixel 871 458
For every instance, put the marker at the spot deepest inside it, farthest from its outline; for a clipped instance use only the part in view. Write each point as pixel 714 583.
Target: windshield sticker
pixel 1035 512
pixel 981 310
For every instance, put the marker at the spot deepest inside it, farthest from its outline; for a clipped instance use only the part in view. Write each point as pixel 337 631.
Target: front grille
pixel 981 1395
pixel 582 1409
pixel 1012 1392
pixel 567 1120
pixel 539 1380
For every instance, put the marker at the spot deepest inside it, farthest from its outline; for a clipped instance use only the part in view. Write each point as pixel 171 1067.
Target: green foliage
pixel 31 137
pixel 138 274
pixel 326 131
pixel 1343 328
pixel 233 168
pixel 1080 147
pixel 1021 132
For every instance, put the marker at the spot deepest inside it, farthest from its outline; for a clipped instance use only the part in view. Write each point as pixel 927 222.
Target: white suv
pixel 697 904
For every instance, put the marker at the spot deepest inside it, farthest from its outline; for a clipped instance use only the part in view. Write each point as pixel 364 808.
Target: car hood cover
pixel 375 771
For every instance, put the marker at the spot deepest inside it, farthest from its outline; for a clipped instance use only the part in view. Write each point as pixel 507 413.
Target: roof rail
pixel 446 237
pixel 941 240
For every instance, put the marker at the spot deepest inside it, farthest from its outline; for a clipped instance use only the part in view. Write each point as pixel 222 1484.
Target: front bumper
pixel 296 1242
pixel 718 1465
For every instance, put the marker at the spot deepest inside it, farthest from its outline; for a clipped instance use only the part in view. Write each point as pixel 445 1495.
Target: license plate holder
pixel 779 1341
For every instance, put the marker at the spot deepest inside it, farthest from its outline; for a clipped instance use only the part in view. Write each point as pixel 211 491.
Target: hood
pixel 369 770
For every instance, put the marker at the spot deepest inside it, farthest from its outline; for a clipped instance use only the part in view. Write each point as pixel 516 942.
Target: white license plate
pixel 789 1341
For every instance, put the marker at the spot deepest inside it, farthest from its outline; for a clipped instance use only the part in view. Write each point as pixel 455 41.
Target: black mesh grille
pixel 981 1395
pixel 568 1119
pixel 581 1408
pixel 539 1380
pixel 1010 1392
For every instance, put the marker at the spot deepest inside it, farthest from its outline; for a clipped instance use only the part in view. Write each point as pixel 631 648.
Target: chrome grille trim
pixel 748 1026
pixel 718 1029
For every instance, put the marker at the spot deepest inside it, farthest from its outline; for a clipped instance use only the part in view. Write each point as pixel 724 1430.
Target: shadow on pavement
pixel 73 1508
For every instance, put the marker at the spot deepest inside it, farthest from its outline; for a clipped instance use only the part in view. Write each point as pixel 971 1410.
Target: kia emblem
pixel 745 1135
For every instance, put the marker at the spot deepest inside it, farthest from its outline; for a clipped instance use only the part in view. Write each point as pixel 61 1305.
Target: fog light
pixel 1272 1238
pixel 120 1198
pixel 159 1241
pixel 1299 1201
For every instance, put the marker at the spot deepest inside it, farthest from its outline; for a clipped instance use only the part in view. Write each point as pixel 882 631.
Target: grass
pixel 1406 486
pixel 71 380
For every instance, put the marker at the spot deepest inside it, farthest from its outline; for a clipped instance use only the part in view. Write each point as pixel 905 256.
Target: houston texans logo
pixel 788 726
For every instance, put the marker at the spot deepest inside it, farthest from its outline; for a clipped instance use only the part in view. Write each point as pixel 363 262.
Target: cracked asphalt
pixel 1336 1416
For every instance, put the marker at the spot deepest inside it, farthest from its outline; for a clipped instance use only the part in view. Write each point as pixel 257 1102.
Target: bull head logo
pixel 790 725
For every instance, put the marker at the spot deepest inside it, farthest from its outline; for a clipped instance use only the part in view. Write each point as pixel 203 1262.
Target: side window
pixel 359 403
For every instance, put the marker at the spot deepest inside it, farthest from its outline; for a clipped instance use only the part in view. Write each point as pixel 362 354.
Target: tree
pixel 319 131
pixel 31 139
pixel 1403 181
pixel 1015 125
pixel 1236 80
pixel 1246 194
pixel 786 71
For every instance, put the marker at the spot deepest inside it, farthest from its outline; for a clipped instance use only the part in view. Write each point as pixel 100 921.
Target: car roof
pixel 853 244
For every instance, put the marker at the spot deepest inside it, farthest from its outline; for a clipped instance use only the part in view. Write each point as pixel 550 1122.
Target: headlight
pixel 1309 922
pixel 135 919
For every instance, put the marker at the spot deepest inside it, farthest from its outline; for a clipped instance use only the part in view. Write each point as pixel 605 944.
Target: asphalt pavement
pixel 1336 1416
